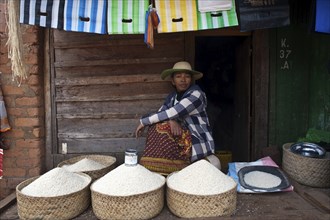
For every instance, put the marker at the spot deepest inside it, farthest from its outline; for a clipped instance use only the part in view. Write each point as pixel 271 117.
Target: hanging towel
pixel 255 15
pixel 4 124
pixel 214 5
pixel 44 13
pixel 322 17
pixel 85 16
pixel 4 120
pixel 127 16
pixel 152 21
pixel 176 15
pixel 149 31
pixel 219 19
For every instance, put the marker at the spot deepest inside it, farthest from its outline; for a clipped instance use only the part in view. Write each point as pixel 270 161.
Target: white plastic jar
pixel 131 157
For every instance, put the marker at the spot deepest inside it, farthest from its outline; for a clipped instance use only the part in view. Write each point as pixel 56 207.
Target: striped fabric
pixel 219 19
pixel 85 16
pixel 214 5
pixel 176 15
pixel 44 13
pixel 127 16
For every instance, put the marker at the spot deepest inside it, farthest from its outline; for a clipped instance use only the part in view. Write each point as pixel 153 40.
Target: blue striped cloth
pixel 85 16
pixel 192 110
pixel 44 13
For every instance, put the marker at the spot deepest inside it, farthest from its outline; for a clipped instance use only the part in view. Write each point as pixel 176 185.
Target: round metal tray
pixel 267 169
pixel 308 150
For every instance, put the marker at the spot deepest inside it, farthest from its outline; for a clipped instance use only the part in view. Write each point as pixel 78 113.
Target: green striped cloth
pixel 219 19
pixel 127 16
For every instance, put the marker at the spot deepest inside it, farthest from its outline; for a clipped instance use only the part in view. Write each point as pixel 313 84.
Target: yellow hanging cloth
pixel 176 15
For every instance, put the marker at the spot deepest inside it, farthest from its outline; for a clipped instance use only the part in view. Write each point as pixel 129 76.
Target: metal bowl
pixel 308 150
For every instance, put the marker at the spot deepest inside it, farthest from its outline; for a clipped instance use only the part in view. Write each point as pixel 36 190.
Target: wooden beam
pixel 260 92
pixel 6 202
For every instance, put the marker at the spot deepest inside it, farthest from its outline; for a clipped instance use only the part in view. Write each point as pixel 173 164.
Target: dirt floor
pixel 303 203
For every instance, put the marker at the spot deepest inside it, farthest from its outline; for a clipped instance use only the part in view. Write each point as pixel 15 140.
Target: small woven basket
pixel 108 161
pixel 308 171
pixel 196 206
pixel 141 206
pixel 57 207
pixel 225 157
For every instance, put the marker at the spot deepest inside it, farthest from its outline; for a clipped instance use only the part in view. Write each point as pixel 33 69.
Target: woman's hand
pixel 176 129
pixel 139 130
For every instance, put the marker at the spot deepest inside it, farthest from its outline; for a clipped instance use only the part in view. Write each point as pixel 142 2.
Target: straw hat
pixel 182 66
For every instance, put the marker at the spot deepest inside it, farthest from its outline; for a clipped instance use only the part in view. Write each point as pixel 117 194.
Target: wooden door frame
pixel 259 85
pixel 260 92
pixel 50 109
pixel 48 101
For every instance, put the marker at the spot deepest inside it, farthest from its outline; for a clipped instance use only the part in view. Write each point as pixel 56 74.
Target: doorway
pixel 225 62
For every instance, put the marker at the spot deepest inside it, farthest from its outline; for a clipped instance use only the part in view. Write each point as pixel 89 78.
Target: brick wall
pixel 25 157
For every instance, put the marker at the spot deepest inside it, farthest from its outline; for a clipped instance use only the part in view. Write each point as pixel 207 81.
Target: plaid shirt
pixel 191 109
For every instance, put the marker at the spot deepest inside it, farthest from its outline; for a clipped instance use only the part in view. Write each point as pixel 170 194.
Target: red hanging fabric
pixel 4 124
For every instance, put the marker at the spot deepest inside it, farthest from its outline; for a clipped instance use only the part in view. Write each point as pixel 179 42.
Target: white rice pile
pixel 262 179
pixel 56 182
pixel 83 165
pixel 128 180
pixel 200 178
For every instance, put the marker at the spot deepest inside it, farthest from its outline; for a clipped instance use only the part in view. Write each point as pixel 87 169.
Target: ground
pixel 304 203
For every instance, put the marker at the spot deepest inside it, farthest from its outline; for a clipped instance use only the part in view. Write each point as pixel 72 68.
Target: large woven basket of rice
pixel 57 207
pixel 308 171
pixel 198 204
pixel 140 206
pixel 108 163
pixel 116 195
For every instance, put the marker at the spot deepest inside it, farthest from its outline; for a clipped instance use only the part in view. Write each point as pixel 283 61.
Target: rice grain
pixel 84 165
pixel 128 180
pixel 200 178
pixel 56 182
pixel 262 179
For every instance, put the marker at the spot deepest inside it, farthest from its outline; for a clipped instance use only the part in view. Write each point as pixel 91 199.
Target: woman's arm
pixel 188 105
pixel 139 130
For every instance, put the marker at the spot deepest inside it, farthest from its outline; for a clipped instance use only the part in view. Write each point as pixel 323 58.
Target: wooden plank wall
pixel 102 84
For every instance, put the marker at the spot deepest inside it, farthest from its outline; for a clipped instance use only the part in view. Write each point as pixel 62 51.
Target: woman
pixel 179 132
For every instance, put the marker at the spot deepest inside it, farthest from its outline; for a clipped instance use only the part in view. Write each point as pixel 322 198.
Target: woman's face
pixel 181 81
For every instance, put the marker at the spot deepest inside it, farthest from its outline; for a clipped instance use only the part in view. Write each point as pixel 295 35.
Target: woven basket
pixel 57 207
pixel 141 206
pixel 308 171
pixel 225 157
pixel 108 161
pixel 196 206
